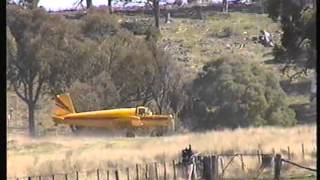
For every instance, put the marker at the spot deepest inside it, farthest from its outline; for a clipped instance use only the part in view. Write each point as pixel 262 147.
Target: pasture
pixel 58 154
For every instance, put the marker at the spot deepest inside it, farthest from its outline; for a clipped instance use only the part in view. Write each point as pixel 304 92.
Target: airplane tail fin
pixel 64 105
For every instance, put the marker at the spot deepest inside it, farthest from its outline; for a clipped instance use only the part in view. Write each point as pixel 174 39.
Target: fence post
pixel 116 174
pixel 146 172
pixel 174 170
pixel 221 163
pixel 258 154
pixel 107 174
pixel 29 178
pixel 39 177
pixel 128 174
pixel 137 171
pixel 261 6
pixel 302 148
pixel 156 170
pixel 289 155
pixel 77 175
pixel 98 176
pixel 277 166
pixel 215 167
pixel 66 176
pixel 164 171
pixel 52 177
pixel 242 164
pixel 207 168
pixel 273 151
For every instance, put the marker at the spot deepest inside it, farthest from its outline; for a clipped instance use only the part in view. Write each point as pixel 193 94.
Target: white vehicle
pixel 134 5
pixel 117 5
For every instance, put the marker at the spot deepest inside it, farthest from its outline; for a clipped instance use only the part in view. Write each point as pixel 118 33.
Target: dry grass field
pixel 56 154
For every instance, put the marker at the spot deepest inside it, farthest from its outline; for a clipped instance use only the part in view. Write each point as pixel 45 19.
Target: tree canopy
pixel 298 23
pixel 232 92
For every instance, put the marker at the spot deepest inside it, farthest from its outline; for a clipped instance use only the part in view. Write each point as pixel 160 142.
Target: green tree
pixel 231 92
pixel 38 64
pixel 125 70
pixel 298 23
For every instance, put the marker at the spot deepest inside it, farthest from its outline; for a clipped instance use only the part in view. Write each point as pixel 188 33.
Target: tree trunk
pixel 31 107
pixel 89 3
pixel 156 9
pixel 110 6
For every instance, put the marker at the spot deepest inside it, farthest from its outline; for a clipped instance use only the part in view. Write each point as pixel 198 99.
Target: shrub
pixel 232 92
pixel 152 33
pixel 84 97
pixel 137 28
pixel 99 24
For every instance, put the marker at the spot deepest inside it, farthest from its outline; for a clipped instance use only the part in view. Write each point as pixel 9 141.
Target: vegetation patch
pixel 231 92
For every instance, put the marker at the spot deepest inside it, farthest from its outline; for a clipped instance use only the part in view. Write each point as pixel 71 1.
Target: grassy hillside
pixel 192 42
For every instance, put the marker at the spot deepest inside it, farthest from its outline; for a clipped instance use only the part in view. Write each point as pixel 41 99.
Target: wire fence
pixel 207 167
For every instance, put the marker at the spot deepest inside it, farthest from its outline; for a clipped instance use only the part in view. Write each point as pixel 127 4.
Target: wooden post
pixel 40 177
pixel 29 178
pixel 66 176
pixel 137 171
pixel 277 166
pixel 98 174
pixel 128 174
pixel 289 155
pixel 108 175
pixel 221 163
pixel 261 6
pixel 225 6
pixel 167 12
pixel 207 168
pixel 242 164
pixel 258 154
pixel 52 177
pixel 146 172
pixel 156 170
pixel 151 171
pixel 116 174
pixel 215 167
pixel 302 148
pixel 77 175
pixel 156 9
pixel 164 171
pixel 174 170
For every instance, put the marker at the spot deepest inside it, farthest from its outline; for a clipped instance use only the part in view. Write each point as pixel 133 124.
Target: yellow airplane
pixel 129 119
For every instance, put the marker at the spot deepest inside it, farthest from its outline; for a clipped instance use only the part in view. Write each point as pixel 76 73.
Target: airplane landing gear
pixel 157 133
pixel 130 133
pixel 75 129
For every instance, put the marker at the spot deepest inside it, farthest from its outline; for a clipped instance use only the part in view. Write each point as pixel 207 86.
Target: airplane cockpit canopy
pixel 142 111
